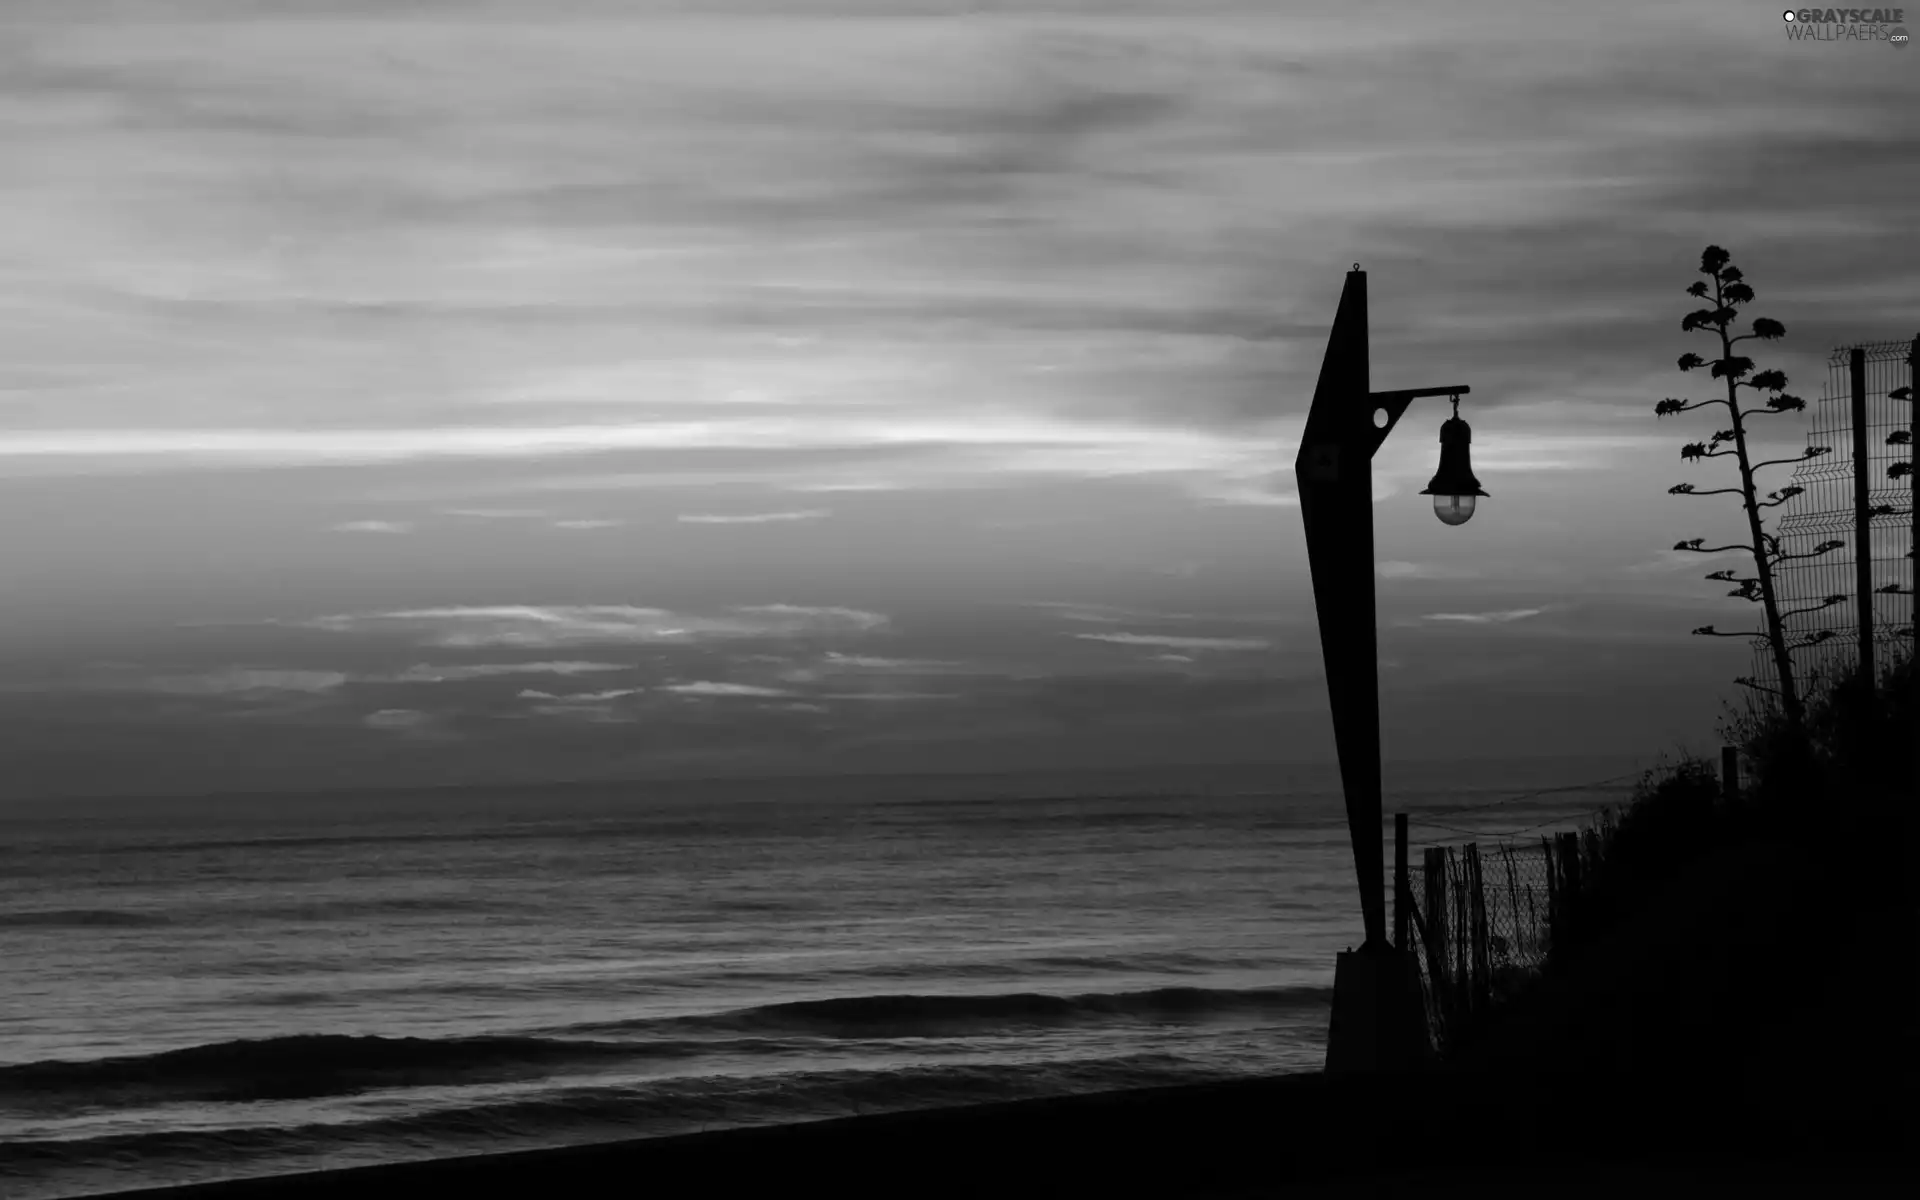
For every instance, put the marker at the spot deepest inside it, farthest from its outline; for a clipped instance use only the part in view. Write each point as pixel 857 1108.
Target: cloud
pixel 1670 562
pixel 1265 490
pixel 1407 570
pixel 1103 614
pixel 880 675
pixel 1486 618
pixel 580 697
pixel 850 485
pixel 708 688
pixel 806 514
pixel 401 719
pixel 975 253
pixel 1008 441
pixel 494 514
pixel 592 708
pixel 427 673
pixel 950 215
pixel 801 614
pixel 891 697
pixel 242 680
pixel 545 627
pixel 1177 643
pixel 373 527
pixel 587 523
pixel 1087 613
pixel 893 666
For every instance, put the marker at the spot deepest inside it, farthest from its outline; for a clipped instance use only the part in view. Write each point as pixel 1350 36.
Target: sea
pixel 212 987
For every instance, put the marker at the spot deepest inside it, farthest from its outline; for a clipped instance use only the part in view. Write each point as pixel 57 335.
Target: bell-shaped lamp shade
pixel 1453 488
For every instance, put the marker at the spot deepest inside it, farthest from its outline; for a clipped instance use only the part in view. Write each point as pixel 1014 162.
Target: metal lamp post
pixel 1378 1021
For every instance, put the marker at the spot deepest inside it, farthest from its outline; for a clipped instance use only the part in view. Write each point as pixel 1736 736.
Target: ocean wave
pixel 907 1015
pixel 310 1066
pixel 584 1114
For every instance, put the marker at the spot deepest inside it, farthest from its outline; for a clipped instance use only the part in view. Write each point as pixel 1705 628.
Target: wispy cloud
pixel 1168 642
pixel 494 514
pixel 760 518
pixel 1486 618
pixel 580 697
pixel 890 697
pixel 543 627
pixel 1090 613
pixel 1407 570
pixel 893 666
pixel 1103 614
pixel 241 680
pixel 1672 562
pixel 880 671
pixel 1008 441
pixel 403 720
pixel 373 527
pixel 428 673
pixel 587 523
pixel 593 708
pixel 709 688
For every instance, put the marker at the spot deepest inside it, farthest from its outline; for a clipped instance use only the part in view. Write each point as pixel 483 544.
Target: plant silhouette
pixel 1728 292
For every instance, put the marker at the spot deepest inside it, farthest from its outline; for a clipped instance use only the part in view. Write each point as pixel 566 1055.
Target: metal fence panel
pixel 1824 511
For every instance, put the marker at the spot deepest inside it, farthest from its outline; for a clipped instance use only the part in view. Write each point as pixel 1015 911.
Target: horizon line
pixel 792 776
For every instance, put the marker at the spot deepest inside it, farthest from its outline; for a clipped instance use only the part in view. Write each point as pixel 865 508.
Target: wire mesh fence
pixel 1482 923
pixel 1822 514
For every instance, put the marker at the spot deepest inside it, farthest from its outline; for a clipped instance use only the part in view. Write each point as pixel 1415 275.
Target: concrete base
pixel 1379 1020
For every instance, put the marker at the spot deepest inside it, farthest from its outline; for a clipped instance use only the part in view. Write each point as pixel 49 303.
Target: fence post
pixel 1554 914
pixel 1462 934
pixel 1401 883
pixel 1913 478
pixel 1434 873
pixel 1862 518
pixel 1569 847
pixel 1730 774
pixel 1513 903
pixel 1477 914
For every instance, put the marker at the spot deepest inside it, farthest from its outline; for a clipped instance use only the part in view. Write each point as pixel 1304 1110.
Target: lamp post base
pixel 1379 1019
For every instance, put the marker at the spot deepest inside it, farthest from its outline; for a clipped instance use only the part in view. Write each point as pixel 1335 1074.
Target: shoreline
pixel 1298 1133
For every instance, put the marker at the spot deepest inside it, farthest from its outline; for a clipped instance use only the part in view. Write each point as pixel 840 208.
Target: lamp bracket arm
pixel 1394 404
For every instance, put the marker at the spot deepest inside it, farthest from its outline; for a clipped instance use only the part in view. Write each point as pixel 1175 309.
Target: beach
pixel 1306 1135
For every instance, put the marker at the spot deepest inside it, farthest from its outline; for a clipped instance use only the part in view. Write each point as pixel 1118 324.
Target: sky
pixel 431 392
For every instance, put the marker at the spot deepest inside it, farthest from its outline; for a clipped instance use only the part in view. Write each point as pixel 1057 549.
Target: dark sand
pixel 1307 1135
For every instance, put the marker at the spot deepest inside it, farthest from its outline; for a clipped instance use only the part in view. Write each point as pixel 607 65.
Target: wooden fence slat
pixel 1462 932
pixel 1569 853
pixel 1477 915
pixel 1435 876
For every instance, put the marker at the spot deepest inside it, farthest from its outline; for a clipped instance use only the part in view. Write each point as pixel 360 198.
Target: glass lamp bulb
pixel 1453 510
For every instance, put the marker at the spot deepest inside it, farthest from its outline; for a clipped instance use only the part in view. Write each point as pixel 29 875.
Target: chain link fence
pixel 1482 923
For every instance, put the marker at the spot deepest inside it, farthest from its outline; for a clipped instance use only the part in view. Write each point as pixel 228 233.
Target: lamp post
pixel 1377 1019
